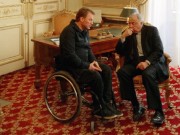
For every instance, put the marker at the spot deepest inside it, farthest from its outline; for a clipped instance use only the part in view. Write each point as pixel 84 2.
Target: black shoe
pixel 104 114
pixel 138 113
pixel 113 108
pixel 158 118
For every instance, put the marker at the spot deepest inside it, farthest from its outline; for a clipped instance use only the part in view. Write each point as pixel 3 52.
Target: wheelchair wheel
pixel 62 96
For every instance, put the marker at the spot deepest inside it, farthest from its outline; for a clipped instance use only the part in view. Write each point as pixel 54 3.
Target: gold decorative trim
pixel 64 12
pixel 107 3
pixel 11 10
pixel 137 3
pixel 113 3
pixel 45 7
pixel 56 14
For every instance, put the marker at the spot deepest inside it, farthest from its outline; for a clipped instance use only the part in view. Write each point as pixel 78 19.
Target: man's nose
pixel 130 24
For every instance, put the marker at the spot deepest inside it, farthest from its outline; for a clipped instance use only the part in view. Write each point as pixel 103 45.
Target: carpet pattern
pixel 28 115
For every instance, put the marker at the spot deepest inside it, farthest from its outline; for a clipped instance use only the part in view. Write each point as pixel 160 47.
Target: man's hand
pixel 127 33
pixel 142 65
pixel 95 66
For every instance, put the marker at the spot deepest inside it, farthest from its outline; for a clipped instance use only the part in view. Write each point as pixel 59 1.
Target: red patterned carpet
pixel 28 115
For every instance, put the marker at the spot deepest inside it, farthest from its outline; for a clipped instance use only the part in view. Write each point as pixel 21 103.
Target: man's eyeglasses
pixel 132 23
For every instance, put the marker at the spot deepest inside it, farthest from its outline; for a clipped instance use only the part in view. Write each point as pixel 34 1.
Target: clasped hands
pixel 142 65
pixel 95 66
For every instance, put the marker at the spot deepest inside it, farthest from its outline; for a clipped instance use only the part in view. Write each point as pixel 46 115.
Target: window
pixel 165 15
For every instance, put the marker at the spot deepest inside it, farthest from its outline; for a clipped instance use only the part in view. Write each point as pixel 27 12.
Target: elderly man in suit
pixel 141 46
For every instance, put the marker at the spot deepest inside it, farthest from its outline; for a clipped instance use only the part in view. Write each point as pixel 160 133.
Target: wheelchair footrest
pixel 86 102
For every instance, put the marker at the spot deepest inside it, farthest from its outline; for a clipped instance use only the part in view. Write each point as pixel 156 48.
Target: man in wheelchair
pixel 77 58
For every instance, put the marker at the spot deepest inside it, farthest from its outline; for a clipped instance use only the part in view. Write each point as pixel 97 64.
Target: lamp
pixel 127 11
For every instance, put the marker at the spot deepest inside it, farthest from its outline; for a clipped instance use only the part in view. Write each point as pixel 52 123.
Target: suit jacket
pixel 152 49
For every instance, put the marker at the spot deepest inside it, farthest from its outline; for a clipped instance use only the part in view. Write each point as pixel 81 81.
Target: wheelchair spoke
pixel 62 97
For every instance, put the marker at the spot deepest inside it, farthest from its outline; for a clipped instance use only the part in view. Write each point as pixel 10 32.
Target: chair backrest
pixel 61 19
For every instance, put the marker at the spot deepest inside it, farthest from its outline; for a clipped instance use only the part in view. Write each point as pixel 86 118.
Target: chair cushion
pixel 61 19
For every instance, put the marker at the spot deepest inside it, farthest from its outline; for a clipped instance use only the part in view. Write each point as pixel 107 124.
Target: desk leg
pixel 37 82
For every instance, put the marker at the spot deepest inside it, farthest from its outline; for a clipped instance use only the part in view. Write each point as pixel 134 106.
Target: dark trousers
pixel 149 76
pixel 100 82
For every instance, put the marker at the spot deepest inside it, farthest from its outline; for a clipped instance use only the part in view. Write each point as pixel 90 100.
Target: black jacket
pixel 152 49
pixel 75 50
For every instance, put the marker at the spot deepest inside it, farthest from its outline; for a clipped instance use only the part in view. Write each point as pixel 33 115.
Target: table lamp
pixel 127 11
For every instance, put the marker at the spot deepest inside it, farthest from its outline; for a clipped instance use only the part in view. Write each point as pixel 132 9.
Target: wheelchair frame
pixel 56 99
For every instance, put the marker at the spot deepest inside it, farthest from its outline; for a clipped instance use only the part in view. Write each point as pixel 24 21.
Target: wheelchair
pixel 64 97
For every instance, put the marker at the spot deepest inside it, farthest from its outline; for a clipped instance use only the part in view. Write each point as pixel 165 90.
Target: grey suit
pixel 157 71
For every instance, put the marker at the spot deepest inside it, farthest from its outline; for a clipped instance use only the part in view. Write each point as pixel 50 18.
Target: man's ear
pixel 82 19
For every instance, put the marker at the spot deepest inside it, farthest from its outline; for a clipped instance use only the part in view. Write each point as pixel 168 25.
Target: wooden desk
pixel 45 50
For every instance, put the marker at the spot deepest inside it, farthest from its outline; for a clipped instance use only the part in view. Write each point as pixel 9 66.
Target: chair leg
pixel 167 94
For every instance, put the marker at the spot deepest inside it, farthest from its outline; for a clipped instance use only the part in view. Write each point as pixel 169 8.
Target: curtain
pixel 165 15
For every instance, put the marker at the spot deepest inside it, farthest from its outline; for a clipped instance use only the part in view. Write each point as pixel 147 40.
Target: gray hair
pixel 139 16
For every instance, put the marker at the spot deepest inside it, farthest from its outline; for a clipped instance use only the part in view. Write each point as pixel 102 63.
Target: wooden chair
pixel 59 21
pixel 138 79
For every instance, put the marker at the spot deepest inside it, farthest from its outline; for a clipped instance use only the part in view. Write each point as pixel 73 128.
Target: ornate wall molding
pixel 11 10
pixel 45 7
pixel 17 54
pixel 37 23
pixel 113 3
pixel 107 3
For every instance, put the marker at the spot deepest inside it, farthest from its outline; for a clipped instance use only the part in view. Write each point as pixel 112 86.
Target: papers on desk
pixel 103 36
pixel 55 40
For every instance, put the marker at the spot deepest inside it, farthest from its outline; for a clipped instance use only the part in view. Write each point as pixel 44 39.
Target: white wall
pixel 74 5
